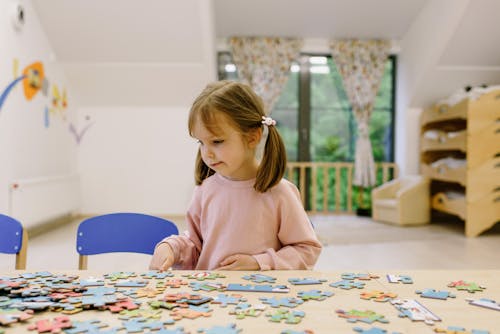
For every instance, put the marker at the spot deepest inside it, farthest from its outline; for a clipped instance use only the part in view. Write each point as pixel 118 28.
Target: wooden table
pixel 320 316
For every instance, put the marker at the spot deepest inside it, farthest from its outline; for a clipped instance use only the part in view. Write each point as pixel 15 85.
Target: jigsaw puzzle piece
pixel 138 325
pixel 289 316
pixel 378 296
pixel 363 316
pixel 53 326
pixel 405 279
pixel 260 278
pixel 285 301
pixel 373 330
pixel 229 329
pixel 435 294
pixel 347 284
pixel 314 295
pixel 415 311
pixel 468 286
pixel 243 310
pixel 485 302
pixel 224 299
pixel 306 281
pixel 89 326
pixel 459 330
pixel 257 288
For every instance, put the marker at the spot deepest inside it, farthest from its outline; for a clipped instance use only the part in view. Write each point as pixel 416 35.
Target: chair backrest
pixel 13 240
pixel 121 232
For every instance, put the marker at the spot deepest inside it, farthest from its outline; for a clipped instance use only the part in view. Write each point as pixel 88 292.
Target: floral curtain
pixel 264 63
pixel 361 64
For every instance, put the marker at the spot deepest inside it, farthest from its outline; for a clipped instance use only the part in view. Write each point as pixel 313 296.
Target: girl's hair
pixel 240 104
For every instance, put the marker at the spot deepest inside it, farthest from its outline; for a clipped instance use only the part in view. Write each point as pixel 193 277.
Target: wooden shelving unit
pixel 460 153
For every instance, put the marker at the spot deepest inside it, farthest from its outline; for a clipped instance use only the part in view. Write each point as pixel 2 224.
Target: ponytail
pixel 273 163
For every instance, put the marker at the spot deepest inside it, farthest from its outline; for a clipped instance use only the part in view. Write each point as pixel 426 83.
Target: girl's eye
pixel 218 141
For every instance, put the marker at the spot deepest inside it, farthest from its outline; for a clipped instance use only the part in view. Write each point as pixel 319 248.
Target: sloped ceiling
pixel 316 18
pixel 151 52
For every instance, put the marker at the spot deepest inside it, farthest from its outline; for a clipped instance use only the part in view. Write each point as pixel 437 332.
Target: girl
pixel 243 214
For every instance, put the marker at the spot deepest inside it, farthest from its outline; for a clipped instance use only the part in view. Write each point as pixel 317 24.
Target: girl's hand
pixel 239 262
pixel 163 258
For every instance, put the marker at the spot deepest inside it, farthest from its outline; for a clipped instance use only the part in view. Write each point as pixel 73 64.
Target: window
pixel 314 104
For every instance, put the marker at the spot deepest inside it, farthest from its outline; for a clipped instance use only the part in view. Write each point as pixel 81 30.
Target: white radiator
pixel 39 200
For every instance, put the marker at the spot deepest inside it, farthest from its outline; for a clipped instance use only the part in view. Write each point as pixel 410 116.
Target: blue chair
pixel 121 232
pixel 13 240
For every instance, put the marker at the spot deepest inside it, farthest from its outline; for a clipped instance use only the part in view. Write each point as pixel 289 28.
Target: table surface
pixel 320 316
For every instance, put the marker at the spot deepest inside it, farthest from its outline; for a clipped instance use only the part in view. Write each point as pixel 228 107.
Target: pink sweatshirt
pixel 229 217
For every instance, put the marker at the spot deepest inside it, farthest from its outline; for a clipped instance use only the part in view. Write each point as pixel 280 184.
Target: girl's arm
pixel 185 248
pixel 300 246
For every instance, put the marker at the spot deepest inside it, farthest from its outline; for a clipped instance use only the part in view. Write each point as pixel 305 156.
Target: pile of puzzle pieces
pixel 158 301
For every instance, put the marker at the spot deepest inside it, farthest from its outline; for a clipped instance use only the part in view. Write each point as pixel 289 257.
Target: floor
pixel 350 243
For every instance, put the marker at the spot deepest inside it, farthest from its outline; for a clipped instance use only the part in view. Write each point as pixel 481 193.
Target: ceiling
pixel 316 18
pixel 161 46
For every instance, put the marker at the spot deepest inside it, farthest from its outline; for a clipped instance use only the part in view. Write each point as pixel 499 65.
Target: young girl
pixel 243 214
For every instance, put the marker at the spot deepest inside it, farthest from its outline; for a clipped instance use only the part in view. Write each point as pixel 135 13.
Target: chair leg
pixel 23 253
pixel 82 262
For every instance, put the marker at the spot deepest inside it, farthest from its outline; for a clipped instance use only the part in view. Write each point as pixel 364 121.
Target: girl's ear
pixel 254 137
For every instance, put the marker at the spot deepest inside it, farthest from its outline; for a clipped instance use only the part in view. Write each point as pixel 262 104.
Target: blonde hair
pixel 240 104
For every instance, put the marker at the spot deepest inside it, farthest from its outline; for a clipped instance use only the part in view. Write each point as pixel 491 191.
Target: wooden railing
pixel 330 189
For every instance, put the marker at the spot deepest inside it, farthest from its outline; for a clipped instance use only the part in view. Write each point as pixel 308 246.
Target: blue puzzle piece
pixel 93 301
pixel 128 283
pixel 99 291
pixel 157 274
pixel 373 330
pixel 259 278
pixel 85 327
pixel 432 293
pixel 91 282
pixel 38 274
pixel 200 308
pixel 347 284
pixel 306 281
pixel 286 301
pixel 229 329
pixel 178 330
pixel 138 325
pixel 462 329
pixel 314 295
pixel 224 299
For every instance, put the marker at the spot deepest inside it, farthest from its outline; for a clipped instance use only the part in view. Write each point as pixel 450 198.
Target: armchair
pixel 402 201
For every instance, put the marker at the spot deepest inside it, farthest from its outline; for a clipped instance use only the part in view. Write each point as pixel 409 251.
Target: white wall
pixel 138 156
pixel 420 51
pixel 136 159
pixel 29 149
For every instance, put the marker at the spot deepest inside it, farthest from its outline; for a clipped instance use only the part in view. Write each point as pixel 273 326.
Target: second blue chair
pixel 13 240
pixel 121 232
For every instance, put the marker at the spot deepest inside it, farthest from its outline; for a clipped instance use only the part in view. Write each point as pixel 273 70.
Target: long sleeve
pixel 300 246
pixel 188 245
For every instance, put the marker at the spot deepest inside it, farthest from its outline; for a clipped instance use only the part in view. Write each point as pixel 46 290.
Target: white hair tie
pixel 268 121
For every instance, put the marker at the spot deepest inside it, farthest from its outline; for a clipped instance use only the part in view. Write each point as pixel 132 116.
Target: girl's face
pixel 228 152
